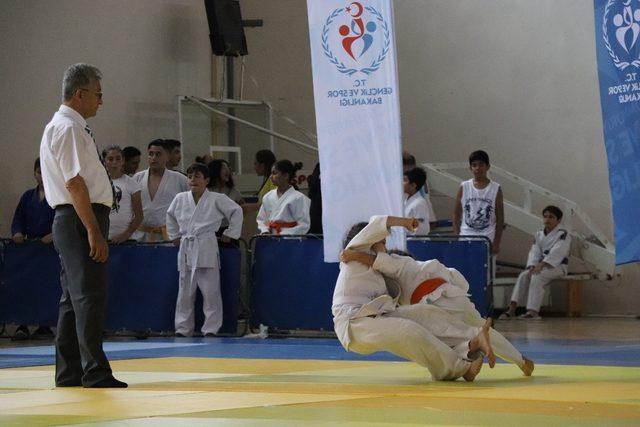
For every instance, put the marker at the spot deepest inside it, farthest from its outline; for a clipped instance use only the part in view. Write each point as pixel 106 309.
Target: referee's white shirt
pixel 67 150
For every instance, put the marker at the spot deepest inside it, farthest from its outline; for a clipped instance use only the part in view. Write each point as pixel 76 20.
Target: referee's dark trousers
pixel 80 359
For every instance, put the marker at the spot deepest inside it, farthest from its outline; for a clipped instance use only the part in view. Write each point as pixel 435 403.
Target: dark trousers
pixel 80 359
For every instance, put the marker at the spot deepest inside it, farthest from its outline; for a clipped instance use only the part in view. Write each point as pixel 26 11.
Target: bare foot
pixel 473 370
pixel 527 368
pixel 483 343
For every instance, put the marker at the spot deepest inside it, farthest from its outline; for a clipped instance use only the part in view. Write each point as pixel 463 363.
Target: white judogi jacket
pixel 292 206
pixel 155 210
pixel 360 290
pixel 417 207
pixel 410 273
pixel 552 248
pixel 196 225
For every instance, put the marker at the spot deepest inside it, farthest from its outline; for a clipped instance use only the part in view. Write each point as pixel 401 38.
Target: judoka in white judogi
pixel 287 214
pixel 198 257
pixel 153 226
pixel 553 249
pixel 450 294
pixel 366 319
pixel 418 207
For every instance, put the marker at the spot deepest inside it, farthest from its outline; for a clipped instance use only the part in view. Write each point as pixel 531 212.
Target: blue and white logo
pixel 621 32
pixel 356 39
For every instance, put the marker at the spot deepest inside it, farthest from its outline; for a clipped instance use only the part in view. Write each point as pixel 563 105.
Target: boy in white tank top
pixel 479 209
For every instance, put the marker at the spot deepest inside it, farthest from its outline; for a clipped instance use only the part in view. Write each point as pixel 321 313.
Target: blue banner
pixel 617 24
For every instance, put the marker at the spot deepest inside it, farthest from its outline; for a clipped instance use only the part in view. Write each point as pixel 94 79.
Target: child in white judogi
pixel 367 319
pixel 548 259
pixel 155 210
pixel 415 205
pixel 284 209
pixel 157 197
pixel 192 220
pixel 431 282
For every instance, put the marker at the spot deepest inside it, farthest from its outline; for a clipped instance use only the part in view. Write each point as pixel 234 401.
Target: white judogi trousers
pixel 208 281
pixel 464 310
pixel 410 332
pixel 532 288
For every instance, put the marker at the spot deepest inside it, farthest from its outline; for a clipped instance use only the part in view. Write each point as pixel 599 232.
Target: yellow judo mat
pixel 261 392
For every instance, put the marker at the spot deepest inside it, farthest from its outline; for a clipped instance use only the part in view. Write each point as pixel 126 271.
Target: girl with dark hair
pixel 262 164
pixel 284 209
pixel 265 159
pixel 222 180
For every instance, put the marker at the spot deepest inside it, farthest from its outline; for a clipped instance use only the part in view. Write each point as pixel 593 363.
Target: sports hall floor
pixel 587 373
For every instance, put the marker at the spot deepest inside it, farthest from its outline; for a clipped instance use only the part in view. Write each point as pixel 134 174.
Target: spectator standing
pixel 408 163
pixel 284 209
pixel 125 220
pixel 265 159
pixel 174 147
pixel 416 206
pixel 192 221
pixel 315 195
pixel 131 160
pixel 479 209
pixel 159 186
pixel 221 180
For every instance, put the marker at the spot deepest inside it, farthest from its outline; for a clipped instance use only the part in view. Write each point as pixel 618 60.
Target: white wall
pixel 514 77
pixel 148 50
pixel 517 78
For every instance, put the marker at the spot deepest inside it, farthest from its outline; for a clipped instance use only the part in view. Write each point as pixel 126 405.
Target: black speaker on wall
pixel 225 27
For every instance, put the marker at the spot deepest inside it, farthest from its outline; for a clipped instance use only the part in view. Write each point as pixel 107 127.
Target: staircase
pixel 591 244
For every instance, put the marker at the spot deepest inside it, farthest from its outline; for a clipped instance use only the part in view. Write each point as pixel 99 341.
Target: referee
pixel 77 186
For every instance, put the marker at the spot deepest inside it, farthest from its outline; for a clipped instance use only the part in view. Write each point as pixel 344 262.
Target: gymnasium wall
pixel 514 77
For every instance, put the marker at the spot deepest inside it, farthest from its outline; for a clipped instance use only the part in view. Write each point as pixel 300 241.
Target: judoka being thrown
pixel 367 319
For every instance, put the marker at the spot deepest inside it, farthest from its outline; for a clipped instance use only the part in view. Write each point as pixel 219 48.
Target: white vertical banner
pixel 355 84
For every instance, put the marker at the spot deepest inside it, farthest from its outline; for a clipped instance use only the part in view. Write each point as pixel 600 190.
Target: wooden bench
pixel 574 288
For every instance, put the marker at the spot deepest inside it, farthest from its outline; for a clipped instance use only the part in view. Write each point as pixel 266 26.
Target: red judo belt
pixel 425 288
pixel 279 225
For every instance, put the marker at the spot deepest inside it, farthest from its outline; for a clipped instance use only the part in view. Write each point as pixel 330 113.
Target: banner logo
pixel 358 36
pixel 621 32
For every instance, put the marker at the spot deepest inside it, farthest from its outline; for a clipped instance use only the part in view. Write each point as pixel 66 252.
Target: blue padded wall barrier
pixel 143 286
pixel 293 287
pixel 471 256
pixel 30 284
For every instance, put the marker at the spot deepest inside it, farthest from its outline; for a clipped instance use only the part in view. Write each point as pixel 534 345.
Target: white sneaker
pixel 529 316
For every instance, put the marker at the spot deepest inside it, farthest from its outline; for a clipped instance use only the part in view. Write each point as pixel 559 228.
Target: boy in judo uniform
pixel 548 259
pixel 415 205
pixel 192 221
pixel 432 283
pixel 367 319
pixel 159 186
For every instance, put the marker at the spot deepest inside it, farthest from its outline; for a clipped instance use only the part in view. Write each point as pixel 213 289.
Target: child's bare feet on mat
pixel 483 343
